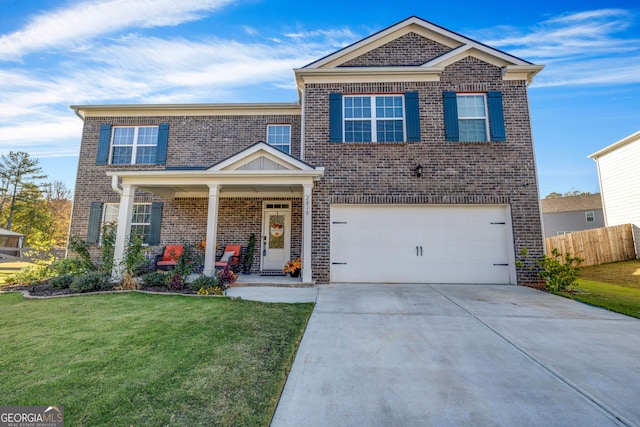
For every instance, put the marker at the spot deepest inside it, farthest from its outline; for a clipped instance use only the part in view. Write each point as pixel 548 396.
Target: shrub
pixel 81 248
pixel 227 277
pixel 61 282
pixel 29 276
pixel 67 266
pixel 558 271
pixel 155 278
pixel 91 282
pixel 205 282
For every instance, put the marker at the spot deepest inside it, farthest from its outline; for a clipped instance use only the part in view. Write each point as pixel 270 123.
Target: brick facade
pixel 358 173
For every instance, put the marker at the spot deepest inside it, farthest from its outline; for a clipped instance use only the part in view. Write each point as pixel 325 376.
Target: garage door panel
pixel 418 244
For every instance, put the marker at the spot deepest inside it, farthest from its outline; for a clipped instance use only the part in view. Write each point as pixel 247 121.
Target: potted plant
pixel 248 258
pixel 293 267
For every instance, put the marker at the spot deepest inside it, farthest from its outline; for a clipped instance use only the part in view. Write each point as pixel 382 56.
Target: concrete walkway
pixel 454 355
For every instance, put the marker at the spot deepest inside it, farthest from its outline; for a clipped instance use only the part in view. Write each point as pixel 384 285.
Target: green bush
pixel 155 278
pixel 61 282
pixel 91 282
pixel 204 282
pixel 559 271
pixel 29 276
pixel 68 266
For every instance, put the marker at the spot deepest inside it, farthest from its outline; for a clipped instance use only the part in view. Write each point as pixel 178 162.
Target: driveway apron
pixel 452 355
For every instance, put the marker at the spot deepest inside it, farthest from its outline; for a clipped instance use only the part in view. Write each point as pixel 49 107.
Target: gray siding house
pixel 564 215
pixel 408 158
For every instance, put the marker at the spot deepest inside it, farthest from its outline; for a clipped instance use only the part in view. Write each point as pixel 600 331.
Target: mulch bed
pixel 43 290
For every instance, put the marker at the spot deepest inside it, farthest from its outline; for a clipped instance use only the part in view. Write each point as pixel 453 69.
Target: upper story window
pixel 474 117
pixel 134 145
pixel 279 136
pixel 473 123
pixel 590 216
pixel 375 118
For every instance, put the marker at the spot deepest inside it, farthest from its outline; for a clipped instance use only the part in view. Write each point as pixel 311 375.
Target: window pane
pixel 141 213
pixel 110 213
pixel 389 130
pixel 121 155
pixel 472 130
pixel 357 131
pixel 279 136
pixel 357 107
pixel 148 136
pixel 471 106
pixel 142 230
pixel 389 106
pixel 123 136
pixel 146 155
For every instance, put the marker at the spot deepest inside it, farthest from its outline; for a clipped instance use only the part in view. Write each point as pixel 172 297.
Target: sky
pixel 57 53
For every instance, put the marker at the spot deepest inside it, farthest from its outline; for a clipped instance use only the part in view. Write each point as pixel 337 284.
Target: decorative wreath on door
pixel 277 229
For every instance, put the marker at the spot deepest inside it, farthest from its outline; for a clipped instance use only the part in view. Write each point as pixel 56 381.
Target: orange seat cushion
pixel 172 252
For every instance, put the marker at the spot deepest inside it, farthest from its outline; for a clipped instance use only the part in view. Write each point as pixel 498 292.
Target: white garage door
pixel 418 244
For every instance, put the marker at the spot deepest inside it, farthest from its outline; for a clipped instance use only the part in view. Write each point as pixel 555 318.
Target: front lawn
pixel 614 286
pixel 148 360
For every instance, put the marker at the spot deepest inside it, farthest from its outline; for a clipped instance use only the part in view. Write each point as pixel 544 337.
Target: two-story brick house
pixel 408 158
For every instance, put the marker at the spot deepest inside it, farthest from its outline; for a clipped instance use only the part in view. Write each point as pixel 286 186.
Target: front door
pixel 276 235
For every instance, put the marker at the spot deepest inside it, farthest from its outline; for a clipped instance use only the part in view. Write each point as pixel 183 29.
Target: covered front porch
pixel 259 178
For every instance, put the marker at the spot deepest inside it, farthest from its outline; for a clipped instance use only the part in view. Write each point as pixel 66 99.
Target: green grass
pixel 148 360
pixel 614 286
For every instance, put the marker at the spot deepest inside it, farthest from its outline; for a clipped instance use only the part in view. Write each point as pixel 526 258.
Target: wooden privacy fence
pixel 596 246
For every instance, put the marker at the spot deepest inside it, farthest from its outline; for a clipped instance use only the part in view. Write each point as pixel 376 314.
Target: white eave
pixel 366 75
pixel 624 141
pixel 145 110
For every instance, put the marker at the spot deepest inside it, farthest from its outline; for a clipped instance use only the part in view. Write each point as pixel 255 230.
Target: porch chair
pixel 230 257
pixel 168 258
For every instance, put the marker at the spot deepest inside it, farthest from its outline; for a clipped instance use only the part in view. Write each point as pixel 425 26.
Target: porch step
pixel 272 273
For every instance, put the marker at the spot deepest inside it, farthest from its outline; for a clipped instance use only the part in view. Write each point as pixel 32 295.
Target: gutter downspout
pixel 114 184
pixel 302 101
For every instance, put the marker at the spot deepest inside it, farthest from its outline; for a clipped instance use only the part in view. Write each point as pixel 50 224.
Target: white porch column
pixel 123 231
pixel 306 233
pixel 212 231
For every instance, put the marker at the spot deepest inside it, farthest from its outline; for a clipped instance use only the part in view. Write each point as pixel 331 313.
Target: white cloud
pixel 591 47
pixel 69 27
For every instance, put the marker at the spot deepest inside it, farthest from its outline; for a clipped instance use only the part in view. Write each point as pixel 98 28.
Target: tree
pixel 59 203
pixel 17 171
pixel 555 194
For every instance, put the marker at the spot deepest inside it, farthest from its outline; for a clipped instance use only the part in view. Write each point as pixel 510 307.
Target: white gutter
pixel 114 184
pixel 302 100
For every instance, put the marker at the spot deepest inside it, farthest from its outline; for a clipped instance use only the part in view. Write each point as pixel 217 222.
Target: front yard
pixel 614 286
pixel 148 360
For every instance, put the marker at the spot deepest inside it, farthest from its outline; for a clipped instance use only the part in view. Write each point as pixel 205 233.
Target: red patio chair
pixel 169 257
pixel 230 257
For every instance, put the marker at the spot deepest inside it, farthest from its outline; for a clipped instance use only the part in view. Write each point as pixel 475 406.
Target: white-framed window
pixel 279 136
pixel 562 233
pixel 134 145
pixel 374 118
pixel 590 216
pixel 472 117
pixel 140 219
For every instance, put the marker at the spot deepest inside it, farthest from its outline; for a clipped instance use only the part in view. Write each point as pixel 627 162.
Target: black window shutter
pixel 412 114
pixel 451 131
pixel 95 217
pixel 163 140
pixel 154 227
pixel 335 117
pixel 496 116
pixel 103 144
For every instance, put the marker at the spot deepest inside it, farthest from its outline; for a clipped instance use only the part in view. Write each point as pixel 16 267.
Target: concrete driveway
pixel 461 355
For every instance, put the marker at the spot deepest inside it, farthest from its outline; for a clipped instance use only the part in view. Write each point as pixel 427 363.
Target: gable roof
pixel 572 203
pixel 624 141
pixel 460 47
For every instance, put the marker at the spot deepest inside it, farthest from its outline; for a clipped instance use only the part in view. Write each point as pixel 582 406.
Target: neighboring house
pixel 408 158
pixel 619 173
pixel 563 215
